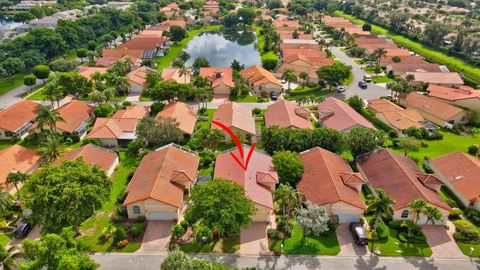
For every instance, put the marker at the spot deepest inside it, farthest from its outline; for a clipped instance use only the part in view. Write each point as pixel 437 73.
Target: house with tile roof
pixel 88 72
pixel 184 114
pixel 336 114
pixel 113 132
pixel 94 155
pixel 121 52
pixel 221 79
pixel 76 115
pixel 395 116
pixel 463 96
pixel 260 79
pixel 329 181
pixel 173 75
pixel 18 119
pixel 403 181
pixel 236 117
pixel 398 69
pixel 411 59
pixel 449 79
pixel 132 112
pixel 144 42
pixel 435 111
pixel 17 158
pixel 159 184
pixel 258 180
pixel 287 114
pixel 460 172
pixel 138 78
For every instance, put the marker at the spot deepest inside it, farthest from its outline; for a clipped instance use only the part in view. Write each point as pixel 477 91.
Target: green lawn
pixel 312 245
pixel 5 143
pixel 308 91
pixel 261 44
pixel 175 49
pixel 250 99
pixel 349 80
pixel 230 245
pixel 7 85
pixel 465 247
pixel 5 239
pixel 381 79
pixel 192 247
pixel 393 247
pixel 205 124
pixel 39 95
pixel 471 73
pixel 92 228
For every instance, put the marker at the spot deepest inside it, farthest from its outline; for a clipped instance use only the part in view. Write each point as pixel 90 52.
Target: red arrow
pixel 239 146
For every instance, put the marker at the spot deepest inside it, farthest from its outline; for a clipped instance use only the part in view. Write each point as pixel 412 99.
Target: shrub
pixel 122 244
pixel 184 224
pixel 137 229
pixel 203 235
pixel 269 63
pixel 141 219
pixel 333 223
pixel 435 136
pixel 93 141
pixel 263 94
pixel 455 214
pixel 126 103
pixel 273 234
pixel 402 237
pixel 395 224
pixel 135 146
pixel 451 203
pixel 108 232
pixel 458 236
pixel 256 111
pixel 120 234
pixel 156 107
pixel 473 150
pixel 178 231
pixel 104 110
pixel 392 134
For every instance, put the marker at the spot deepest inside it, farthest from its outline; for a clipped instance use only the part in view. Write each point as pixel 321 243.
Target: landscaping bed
pixel 381 79
pixel 394 246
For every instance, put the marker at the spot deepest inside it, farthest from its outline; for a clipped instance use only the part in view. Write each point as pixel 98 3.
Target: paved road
pixel 372 92
pixel 122 261
pixel 14 96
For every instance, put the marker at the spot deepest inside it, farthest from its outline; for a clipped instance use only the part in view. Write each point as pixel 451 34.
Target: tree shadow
pixel 370 263
pixel 423 263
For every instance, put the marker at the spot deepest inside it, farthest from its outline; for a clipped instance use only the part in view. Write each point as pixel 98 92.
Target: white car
pixel 342 89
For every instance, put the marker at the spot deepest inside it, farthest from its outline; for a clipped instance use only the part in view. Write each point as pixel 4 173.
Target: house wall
pixel 460 118
pixel 136 88
pixel 471 103
pixel 111 170
pixel 268 87
pixel 262 215
pixel 109 142
pixel 150 205
pixel 300 63
pixel 3 136
pixel 423 219
pixel 221 89
pixel 345 209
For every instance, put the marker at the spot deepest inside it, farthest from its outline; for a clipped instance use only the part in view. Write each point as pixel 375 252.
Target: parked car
pixel 371 64
pixel 362 84
pixel 358 233
pixel 273 96
pixel 334 85
pixel 367 78
pixel 342 89
pixel 23 229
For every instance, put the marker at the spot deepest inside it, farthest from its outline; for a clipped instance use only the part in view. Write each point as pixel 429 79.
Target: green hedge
pixel 452 196
pixel 375 121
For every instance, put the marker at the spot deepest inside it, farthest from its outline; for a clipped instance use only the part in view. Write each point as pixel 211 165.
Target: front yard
pixel 227 245
pixel 392 246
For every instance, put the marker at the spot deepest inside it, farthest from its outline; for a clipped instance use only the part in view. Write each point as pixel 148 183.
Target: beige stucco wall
pixel 222 89
pixel 471 103
pixel 423 219
pixel 262 215
pixel 150 205
pixel 268 87
pixel 109 142
pixel 135 88
pixel 111 170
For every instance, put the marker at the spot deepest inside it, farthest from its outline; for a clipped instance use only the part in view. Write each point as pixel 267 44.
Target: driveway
pixel 157 237
pixel 441 241
pixel 34 234
pixel 347 245
pixel 253 240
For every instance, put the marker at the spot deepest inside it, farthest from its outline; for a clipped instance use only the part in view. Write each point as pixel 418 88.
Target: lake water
pixel 221 47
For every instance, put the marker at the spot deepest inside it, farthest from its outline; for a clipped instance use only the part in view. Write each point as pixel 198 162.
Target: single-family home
pixel 402 180
pixel 143 42
pixel 398 69
pixel 258 180
pixel 94 155
pixel 394 115
pixel 76 115
pixel 88 72
pixel 336 114
pixel 159 184
pixel 174 75
pixel 463 96
pixel 236 117
pixel 260 79
pixel 18 119
pixel 287 114
pixel 184 114
pixel 433 110
pixel 138 78
pixel 329 181
pixel 17 158
pixel 221 79
pixel 411 59
pixel 449 79
pixel 132 112
pixel 114 132
pixel 460 172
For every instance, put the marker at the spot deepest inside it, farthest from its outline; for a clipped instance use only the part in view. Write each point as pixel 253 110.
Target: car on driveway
pixel 23 229
pixel 273 96
pixel 358 233
pixel 362 84
pixel 342 89
pixel 367 78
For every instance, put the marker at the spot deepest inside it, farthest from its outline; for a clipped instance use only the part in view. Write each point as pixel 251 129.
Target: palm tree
pixel 304 76
pixel 432 214
pixel 53 92
pixel 184 71
pixel 48 117
pixel 122 86
pixel 16 178
pixel 8 257
pixel 289 77
pixel 417 207
pixel 380 204
pixel 379 53
pixel 51 150
pixel 288 199
pixel 6 201
pixel 322 42
pixel 395 88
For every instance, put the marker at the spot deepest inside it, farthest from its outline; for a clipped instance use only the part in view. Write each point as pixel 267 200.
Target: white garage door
pixel 162 215
pixel 348 218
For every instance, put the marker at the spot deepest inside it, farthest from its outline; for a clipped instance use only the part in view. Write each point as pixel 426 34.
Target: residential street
pixel 14 96
pixel 121 261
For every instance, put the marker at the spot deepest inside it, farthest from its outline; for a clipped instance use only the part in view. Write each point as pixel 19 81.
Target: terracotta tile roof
pixel 257 75
pixel 447 93
pixel 132 112
pixel 338 115
pixel 181 23
pixel 284 23
pixel 252 180
pixel 285 114
pixel 286 46
pixel 307 52
pixel 383 105
pixel 297 69
pixel 139 75
pixel 398 176
pixel 286 35
pixel 108 60
pixel 462 170
pixel 362 40
pixel 92 155
pixel 160 27
pixel 14 117
pixel 233 114
pixel 173 75
pixel 142 42
pixel 218 75
pixel 437 77
pixel 110 128
pixel 74 113
pixel 87 72
pixel 411 59
pixel 16 158
pixel 400 68
pixel 149 32
pixel 183 113
pixel 156 176
pixel 396 115
pixel 430 105
pixel 372 47
pixel 119 53
pixel 328 179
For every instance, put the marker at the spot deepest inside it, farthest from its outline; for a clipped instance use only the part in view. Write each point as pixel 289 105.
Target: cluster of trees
pixel 244 16
pixel 177 260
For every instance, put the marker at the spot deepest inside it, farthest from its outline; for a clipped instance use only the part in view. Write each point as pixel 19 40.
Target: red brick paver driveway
pixel 347 245
pixel 441 241
pixel 253 240
pixel 157 237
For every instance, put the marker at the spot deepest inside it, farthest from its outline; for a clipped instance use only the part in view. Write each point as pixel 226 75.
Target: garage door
pixel 348 218
pixel 162 215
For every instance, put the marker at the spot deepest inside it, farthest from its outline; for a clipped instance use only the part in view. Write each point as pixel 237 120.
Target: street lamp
pixel 471 251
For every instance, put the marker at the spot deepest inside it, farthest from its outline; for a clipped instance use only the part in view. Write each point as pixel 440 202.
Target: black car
pixel 362 84
pixel 358 233
pixel 273 95
pixel 23 229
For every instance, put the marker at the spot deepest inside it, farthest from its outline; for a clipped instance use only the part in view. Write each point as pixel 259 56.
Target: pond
pixel 221 47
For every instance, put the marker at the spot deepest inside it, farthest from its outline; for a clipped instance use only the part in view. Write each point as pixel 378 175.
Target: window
pixel 136 209
pixel 404 214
